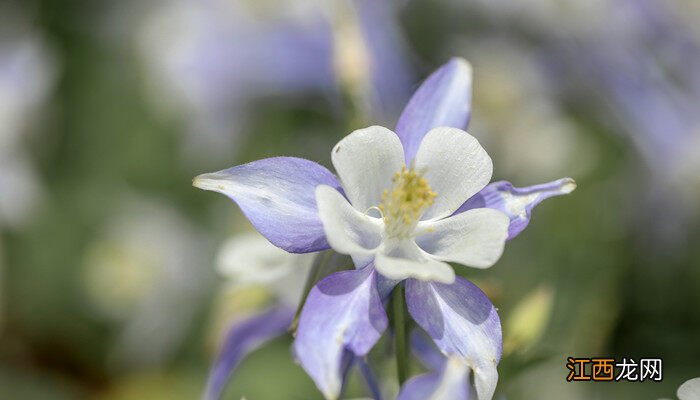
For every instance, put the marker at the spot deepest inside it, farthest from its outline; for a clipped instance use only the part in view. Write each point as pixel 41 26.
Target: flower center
pixel 404 202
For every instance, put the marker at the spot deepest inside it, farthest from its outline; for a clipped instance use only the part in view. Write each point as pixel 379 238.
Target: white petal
pixel 451 382
pixel 485 380
pixel 456 167
pixel 404 259
pixel 454 376
pixel 348 231
pixel 689 390
pixel 366 160
pixel 462 322
pixel 251 259
pixel 474 238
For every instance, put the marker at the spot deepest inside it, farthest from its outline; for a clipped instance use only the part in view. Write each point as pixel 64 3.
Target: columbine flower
pixel 404 205
pixel 416 231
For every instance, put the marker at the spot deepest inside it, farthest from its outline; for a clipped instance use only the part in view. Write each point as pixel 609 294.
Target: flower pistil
pixel 404 202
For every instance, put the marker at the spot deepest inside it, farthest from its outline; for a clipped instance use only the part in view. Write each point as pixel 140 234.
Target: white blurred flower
pixel 145 272
pixel 689 390
pixel 21 188
pixel 27 72
pixel 251 260
pixel 257 274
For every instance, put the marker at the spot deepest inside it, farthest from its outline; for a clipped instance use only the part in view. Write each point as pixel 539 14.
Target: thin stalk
pixel 400 336
pixel 325 263
pixel 315 274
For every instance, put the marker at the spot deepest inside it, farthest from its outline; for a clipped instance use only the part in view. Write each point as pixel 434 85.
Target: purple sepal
pixel 463 323
pixel 517 203
pixel 278 196
pixel 420 387
pixel 370 379
pixel 343 312
pixel 385 286
pixel 444 99
pixel 242 339
pixel 450 382
pixel 425 351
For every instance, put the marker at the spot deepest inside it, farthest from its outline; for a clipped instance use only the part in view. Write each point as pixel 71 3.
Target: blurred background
pixel 109 287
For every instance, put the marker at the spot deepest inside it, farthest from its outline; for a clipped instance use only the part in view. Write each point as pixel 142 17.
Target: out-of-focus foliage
pixel 108 280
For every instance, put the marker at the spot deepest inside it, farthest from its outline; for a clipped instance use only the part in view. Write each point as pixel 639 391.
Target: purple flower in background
pixel 404 205
pixel 213 58
pixel 634 63
pixel 647 73
pixel 644 64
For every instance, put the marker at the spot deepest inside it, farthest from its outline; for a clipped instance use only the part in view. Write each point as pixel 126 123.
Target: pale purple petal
pixel 419 387
pixel 242 339
pixel 343 312
pixel 517 203
pixel 451 382
pixel 278 196
pixel 425 351
pixel 385 286
pixel 444 99
pixel 462 322
pixel 370 379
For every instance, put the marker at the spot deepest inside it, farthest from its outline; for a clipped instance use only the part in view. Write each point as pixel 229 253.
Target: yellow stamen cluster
pixel 403 204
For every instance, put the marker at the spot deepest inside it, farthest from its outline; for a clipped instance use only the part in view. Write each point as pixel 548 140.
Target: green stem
pixel 401 344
